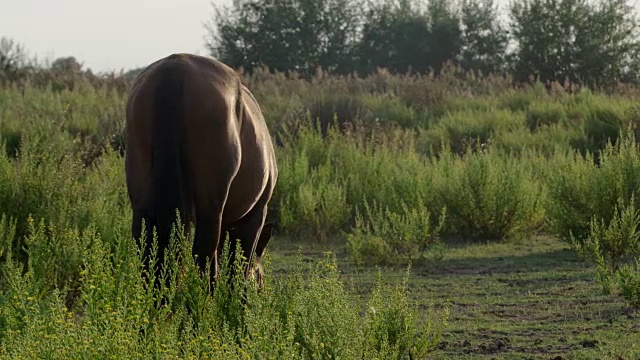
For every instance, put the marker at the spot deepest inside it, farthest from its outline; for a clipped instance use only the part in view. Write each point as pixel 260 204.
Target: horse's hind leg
pixel 248 229
pixel 207 233
pixel 211 189
pixel 212 153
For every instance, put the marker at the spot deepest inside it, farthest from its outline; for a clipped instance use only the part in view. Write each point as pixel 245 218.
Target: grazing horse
pixel 197 142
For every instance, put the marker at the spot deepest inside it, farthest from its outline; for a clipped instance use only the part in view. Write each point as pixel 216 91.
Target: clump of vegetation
pixel 380 235
pixel 612 245
pixel 307 314
pixel 490 197
pixel 595 208
pixel 628 278
pixel 376 185
pixel 579 189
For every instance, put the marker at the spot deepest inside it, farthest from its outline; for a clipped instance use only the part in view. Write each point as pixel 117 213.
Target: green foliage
pixel 381 235
pixel 603 125
pixel 445 39
pixel 545 114
pixel 467 128
pixel 324 180
pixel 285 35
pixel 402 36
pixel 491 196
pixel 579 190
pixel 49 182
pixel 484 38
pixel 546 141
pixel 308 314
pixel 629 281
pixel 388 318
pixel 611 245
pixel 310 201
pixel 592 43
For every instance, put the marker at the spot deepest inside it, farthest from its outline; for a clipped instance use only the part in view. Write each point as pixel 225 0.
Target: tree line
pixel 590 42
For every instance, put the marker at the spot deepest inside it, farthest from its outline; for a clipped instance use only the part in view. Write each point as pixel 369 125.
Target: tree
pixel 445 37
pixel 484 38
pixel 285 35
pixel 13 59
pixel 575 40
pixel 608 46
pixel 401 36
pixel 395 37
pixel 67 64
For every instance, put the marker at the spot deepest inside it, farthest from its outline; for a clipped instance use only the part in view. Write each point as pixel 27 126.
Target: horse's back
pixel 206 129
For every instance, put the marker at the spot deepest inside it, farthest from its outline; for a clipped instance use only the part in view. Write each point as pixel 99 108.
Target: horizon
pixel 49 30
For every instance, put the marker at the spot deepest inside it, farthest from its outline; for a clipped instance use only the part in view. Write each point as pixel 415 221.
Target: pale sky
pixel 109 34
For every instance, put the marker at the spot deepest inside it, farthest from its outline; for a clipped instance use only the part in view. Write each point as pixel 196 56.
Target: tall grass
pixel 449 142
pixel 306 315
pixel 72 284
pixel 500 162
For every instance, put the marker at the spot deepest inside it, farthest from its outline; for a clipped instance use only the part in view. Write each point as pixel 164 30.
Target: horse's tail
pixel 170 188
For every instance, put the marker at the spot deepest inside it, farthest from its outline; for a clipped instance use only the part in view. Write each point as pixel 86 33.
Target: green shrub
pixel 318 208
pixel 323 179
pixel 490 197
pixel 611 244
pixel 521 99
pixel 308 197
pixel 463 129
pixel 337 107
pixel 579 190
pixel 494 196
pixel 544 114
pixel 49 182
pixel 388 315
pixel 308 314
pixel 629 281
pixel 545 141
pixel 381 235
pixel 392 109
pixel 604 125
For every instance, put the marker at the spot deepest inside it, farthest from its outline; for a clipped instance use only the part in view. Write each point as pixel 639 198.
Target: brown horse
pixel 197 142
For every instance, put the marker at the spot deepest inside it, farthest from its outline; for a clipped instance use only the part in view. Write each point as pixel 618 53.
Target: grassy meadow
pixel 416 217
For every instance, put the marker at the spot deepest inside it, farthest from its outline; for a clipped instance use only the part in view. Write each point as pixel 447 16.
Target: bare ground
pixel 525 300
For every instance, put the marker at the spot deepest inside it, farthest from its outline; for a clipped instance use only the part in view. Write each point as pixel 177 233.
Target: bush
pixel 544 114
pixel 629 281
pixel 613 248
pixel 580 190
pixel 51 184
pixel 490 197
pixel 308 314
pixel 461 130
pixel 611 244
pixel 545 141
pixel 309 200
pixel 382 235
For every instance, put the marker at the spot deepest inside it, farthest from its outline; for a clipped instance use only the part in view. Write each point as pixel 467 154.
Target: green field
pixel 523 300
pixel 485 190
